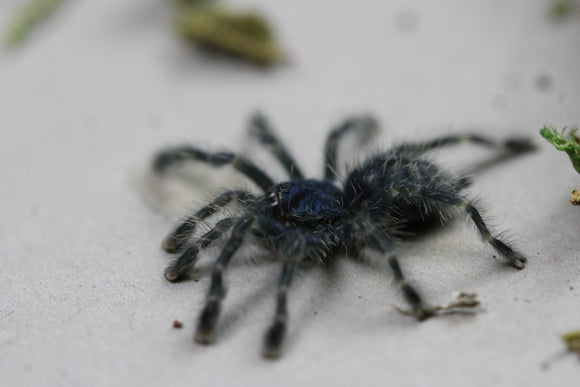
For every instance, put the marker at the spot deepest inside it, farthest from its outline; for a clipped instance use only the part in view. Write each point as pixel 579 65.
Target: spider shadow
pixel 236 310
pixel 490 261
pixel 558 357
pixel 307 310
pixel 238 304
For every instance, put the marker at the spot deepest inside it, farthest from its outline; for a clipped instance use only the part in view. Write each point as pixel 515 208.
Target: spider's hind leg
pixel 419 308
pixel 516 258
pixel 513 145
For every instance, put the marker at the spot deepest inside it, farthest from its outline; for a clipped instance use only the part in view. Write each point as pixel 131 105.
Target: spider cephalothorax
pixel 310 219
pixel 307 201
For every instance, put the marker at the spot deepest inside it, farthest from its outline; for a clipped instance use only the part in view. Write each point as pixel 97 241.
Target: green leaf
pixel 565 141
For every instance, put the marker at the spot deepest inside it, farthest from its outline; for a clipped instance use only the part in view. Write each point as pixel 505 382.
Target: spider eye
pixel 273 199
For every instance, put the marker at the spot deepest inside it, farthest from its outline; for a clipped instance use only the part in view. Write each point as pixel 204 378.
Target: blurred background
pixel 95 90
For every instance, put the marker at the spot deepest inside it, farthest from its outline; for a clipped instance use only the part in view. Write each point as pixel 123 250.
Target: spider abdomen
pixel 392 185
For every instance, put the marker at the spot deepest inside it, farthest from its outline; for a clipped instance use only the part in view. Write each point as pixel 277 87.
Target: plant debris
pixel 575 197
pixel 241 34
pixel 462 302
pixel 567 141
pixel 28 17
pixel 561 9
pixel 572 340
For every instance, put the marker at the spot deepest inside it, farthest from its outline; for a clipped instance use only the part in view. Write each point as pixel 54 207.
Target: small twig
pixel 461 303
pixel 575 196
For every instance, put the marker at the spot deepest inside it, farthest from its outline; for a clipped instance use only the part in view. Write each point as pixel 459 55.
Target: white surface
pixel 104 84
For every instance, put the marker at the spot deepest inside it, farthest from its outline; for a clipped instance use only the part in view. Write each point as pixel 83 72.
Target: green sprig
pixel 29 17
pixel 566 141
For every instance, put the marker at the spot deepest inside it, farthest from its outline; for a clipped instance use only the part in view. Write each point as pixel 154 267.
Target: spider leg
pixel 293 247
pixel 178 238
pixel 261 129
pixel 293 251
pixel 169 157
pixel 420 309
pixel 462 182
pixel 516 258
pixel 513 145
pixel 180 267
pixel 217 292
pixel 364 125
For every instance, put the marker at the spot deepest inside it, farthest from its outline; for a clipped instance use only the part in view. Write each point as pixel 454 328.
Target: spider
pixel 382 199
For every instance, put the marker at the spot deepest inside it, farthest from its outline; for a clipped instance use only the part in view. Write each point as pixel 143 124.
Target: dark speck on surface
pixel 543 82
pixel 407 21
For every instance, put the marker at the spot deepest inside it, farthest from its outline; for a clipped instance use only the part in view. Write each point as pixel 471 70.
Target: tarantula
pixel 387 195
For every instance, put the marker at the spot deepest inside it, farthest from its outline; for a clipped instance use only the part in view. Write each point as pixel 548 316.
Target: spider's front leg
pixel 181 266
pixel 293 247
pixel 464 302
pixel 217 291
pixel 293 250
pixel 178 237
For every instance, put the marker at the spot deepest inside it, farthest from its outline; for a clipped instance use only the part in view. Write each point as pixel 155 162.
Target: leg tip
pixel 162 161
pixel 171 275
pixel 203 336
pixel 420 313
pixel 273 340
pixel 519 261
pixel 171 244
pixel 513 256
pixel 207 321
pixel 271 353
pixel 520 145
pixel 424 315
